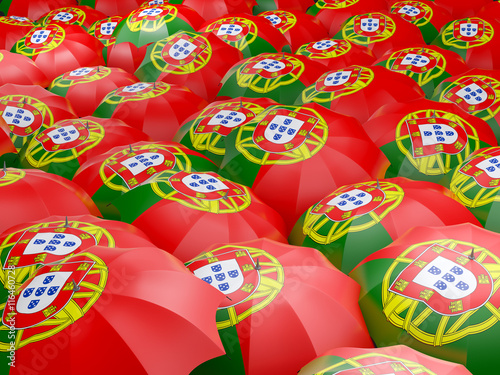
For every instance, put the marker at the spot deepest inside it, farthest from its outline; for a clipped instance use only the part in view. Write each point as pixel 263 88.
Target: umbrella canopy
pixel 434 290
pixel 189 59
pixel 103 30
pixel 426 65
pixel 8 152
pixel 250 34
pixel 86 87
pixel 425 140
pixel 113 7
pixel 158 109
pixel 81 15
pixel 293 5
pixel 57 49
pixel 13 28
pixel 98 296
pixel 199 209
pixel 32 9
pixel 21 70
pixel 121 169
pixel 358 219
pixel 292 156
pixel 359 91
pixel 462 8
pixel 219 8
pixel 387 360
pixel 206 130
pixel 284 305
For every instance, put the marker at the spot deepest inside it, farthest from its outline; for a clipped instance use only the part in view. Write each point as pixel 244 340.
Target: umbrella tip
pixel 66 224
pixel 378 184
pixel 257 266
pixel 76 288
pixel 229 298
pixel 4 166
pixel 130 148
pixel 471 256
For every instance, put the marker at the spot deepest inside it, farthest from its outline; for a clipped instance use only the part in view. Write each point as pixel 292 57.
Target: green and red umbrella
pixel 250 34
pixel 434 289
pixel 395 359
pixel 293 5
pixel 358 219
pixel 199 209
pixel 21 70
pixel 284 306
pixel 218 8
pixel 63 147
pixel 13 28
pixel 426 140
pixel 158 109
pixel 32 9
pixel 81 15
pixel 86 87
pixel 113 7
pixel 103 30
pixel 425 14
pixel 336 53
pixel 359 91
pixel 277 76
pixel 427 65
pixel 292 156
pixel 56 49
pixel 475 39
pixel 189 59
pixel 477 92
pixel 99 297
pixel 121 169
pixel 206 131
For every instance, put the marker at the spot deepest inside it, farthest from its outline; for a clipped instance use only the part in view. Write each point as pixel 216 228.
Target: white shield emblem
pixel 18 116
pixel 433 134
pixel 225 275
pixel 150 12
pixel 203 183
pixel 491 166
pixel 282 129
pixel 369 24
pixel 39 36
pixel 53 243
pixel 136 87
pixel 469 29
pixel 181 49
pixel 229 29
pixel 473 94
pixel 415 60
pixel 270 65
pixel 80 72
pixel 409 10
pixel 351 200
pixel 451 280
pixel 156 2
pixel 64 134
pixel 324 44
pixel 139 163
pixel 41 292
pixel 63 17
pixel 274 19
pixel 227 118
pixel 22 19
pixel 107 28
pixel 337 78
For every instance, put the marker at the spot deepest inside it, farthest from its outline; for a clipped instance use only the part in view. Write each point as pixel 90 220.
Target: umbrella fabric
pixel 32 9
pixel 358 219
pixel 219 8
pixel 21 70
pixel 86 87
pixel 426 65
pixel 462 8
pixel 8 152
pixel 103 30
pixel 288 5
pixel 81 15
pixel 113 7
pixel 284 305
pixel 13 28
pixel 434 290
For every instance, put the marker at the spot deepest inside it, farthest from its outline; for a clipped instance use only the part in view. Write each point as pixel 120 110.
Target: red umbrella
pixel 81 15
pixel 462 8
pixel 86 87
pixel 293 5
pixel 284 306
pixel 113 7
pixel 32 9
pixel 21 70
pixel 98 296
pixel 13 28
pixel 57 49
pixel 33 195
pixel 158 109
pixel 219 8
pixel 103 30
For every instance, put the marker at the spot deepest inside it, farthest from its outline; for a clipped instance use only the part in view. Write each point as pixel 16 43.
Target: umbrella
pixel 33 195
pixel 474 39
pixel 32 9
pixel 336 53
pixel 62 148
pixel 425 14
pixel 199 209
pixel 462 8
pixel 284 306
pixel 57 49
pixel 81 15
pixel 427 65
pixel 250 34
pixel 220 8
pixel 380 31
pixel 86 87
pixel 13 28
pixel 292 156
pixel 425 140
pixel 29 109
pixel 359 91
pixel 98 296
pixel 158 109
pixel 434 290
pixel 103 30
pixel 21 70
pixel 121 169
pixel 388 360
pixel 205 131
pixel 280 77
pixel 113 7
pixel 358 219
pixel 189 59
pixel 293 5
